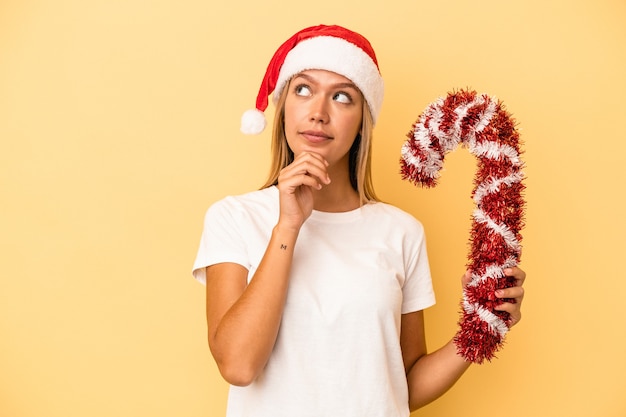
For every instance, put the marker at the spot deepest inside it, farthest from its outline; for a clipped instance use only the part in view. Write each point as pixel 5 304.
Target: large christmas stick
pixel 481 124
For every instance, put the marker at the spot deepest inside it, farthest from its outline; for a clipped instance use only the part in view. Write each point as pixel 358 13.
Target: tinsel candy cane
pixel 480 123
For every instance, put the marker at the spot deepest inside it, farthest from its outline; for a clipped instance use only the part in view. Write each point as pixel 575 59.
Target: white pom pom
pixel 252 122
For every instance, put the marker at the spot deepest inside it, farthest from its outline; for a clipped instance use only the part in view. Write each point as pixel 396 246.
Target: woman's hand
pixel 516 292
pixel 296 183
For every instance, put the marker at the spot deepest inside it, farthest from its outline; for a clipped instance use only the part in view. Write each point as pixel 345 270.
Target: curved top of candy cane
pixel 460 118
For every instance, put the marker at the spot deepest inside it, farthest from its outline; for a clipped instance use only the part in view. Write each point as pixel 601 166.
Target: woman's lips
pixel 315 136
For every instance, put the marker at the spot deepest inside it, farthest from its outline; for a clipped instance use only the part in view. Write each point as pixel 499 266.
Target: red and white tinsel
pixel 481 124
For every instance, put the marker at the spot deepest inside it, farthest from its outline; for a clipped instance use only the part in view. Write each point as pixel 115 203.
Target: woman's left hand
pixel 516 292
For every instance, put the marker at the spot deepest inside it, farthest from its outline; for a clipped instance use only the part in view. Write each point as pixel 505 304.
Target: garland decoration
pixel 481 124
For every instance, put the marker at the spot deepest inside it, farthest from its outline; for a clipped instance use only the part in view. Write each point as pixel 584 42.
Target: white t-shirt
pixel 354 273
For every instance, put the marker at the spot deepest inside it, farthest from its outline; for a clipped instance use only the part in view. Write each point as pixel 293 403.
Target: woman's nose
pixel 319 110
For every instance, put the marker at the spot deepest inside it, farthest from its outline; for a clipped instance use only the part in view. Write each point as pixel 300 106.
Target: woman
pixel 315 289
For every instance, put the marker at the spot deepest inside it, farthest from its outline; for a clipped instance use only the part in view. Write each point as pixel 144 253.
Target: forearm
pixel 244 337
pixel 434 374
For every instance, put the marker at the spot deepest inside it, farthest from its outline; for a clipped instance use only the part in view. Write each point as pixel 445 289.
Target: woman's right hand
pixel 296 183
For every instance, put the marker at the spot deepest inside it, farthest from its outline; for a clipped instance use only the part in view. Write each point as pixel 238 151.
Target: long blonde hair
pixel 360 161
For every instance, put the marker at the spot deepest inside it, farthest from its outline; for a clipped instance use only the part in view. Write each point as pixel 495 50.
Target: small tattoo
pixel 283 247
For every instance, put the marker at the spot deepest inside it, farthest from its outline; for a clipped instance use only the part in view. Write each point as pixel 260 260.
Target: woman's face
pixel 323 114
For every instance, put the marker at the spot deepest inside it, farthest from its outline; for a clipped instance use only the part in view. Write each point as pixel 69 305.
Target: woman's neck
pixel 338 196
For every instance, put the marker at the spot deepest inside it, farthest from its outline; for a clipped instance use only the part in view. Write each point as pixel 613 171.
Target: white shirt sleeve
pixel 417 290
pixel 221 239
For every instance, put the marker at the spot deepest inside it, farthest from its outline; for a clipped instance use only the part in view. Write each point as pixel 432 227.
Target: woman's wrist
pixel 287 228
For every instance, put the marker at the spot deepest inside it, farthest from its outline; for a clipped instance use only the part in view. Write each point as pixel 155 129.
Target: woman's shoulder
pixel 263 196
pixel 247 204
pixel 388 213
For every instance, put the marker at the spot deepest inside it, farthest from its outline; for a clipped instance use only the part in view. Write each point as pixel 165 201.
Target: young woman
pixel 315 289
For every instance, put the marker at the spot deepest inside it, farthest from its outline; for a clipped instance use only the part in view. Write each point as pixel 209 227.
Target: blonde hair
pixel 360 161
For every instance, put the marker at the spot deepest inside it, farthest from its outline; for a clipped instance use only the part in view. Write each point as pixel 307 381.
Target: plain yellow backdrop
pixel 119 126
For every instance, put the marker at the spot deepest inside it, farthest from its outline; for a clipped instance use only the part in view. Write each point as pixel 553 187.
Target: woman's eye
pixel 343 98
pixel 303 90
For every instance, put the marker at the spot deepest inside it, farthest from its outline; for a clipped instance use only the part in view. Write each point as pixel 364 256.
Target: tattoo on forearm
pixel 283 247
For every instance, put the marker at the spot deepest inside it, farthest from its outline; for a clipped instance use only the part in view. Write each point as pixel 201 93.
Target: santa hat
pixel 331 48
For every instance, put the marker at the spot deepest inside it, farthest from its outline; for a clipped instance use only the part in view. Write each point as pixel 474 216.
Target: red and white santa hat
pixel 331 48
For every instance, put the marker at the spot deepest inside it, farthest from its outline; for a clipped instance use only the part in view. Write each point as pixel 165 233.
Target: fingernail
pixel 499 293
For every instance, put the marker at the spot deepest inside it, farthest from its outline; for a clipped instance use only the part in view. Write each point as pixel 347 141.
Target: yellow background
pixel 119 126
